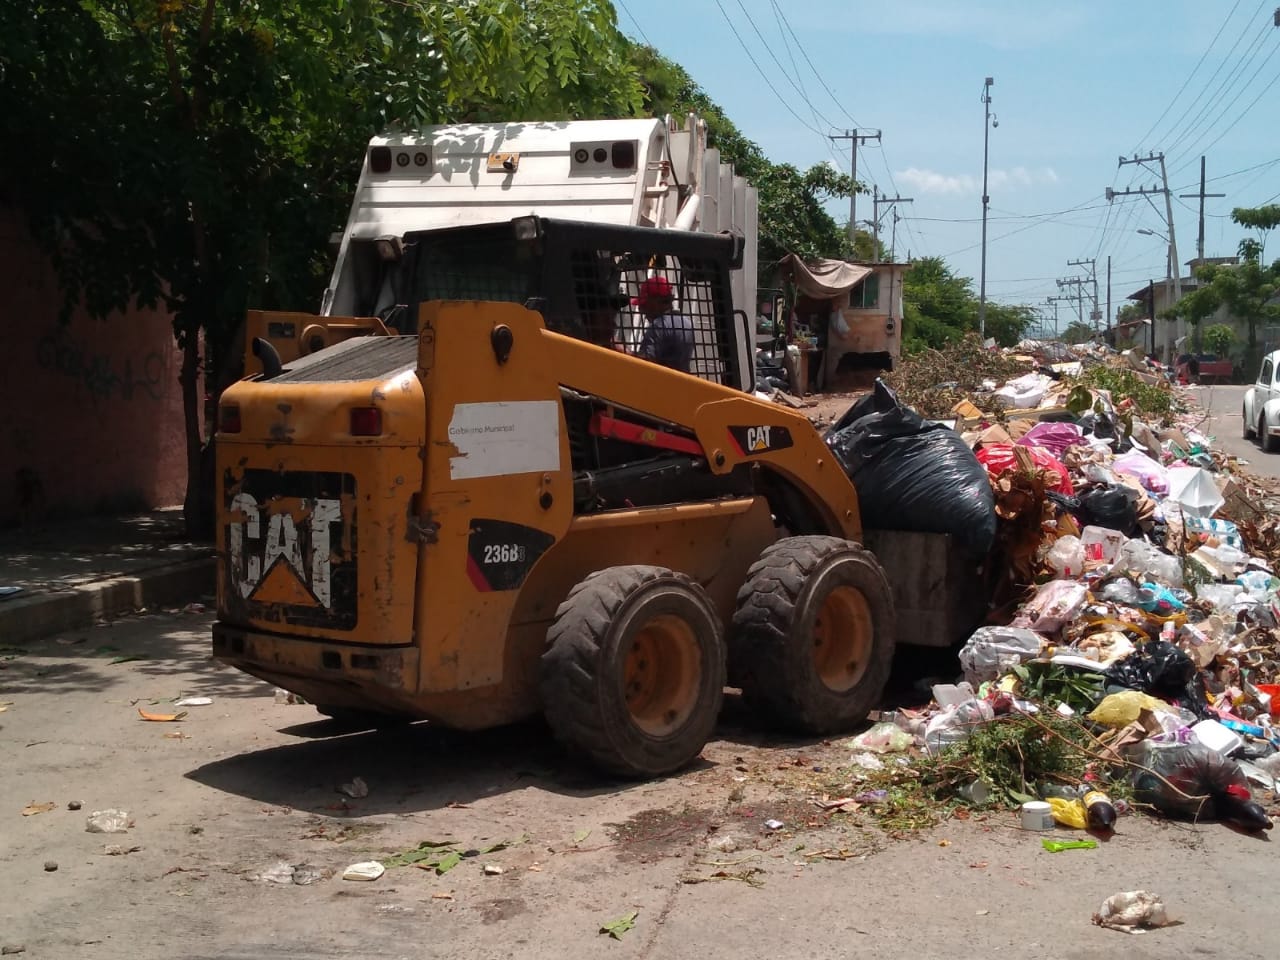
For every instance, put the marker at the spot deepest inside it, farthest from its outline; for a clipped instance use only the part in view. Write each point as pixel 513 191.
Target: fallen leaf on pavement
pixel 160 717
pixel 616 928
pixel 31 809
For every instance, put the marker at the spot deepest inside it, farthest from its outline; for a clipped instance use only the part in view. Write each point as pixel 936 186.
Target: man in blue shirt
pixel 669 337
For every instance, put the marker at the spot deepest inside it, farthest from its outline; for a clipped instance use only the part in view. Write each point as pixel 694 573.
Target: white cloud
pixel 931 181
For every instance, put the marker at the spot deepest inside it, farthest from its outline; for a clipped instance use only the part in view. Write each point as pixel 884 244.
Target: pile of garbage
pixel 1135 626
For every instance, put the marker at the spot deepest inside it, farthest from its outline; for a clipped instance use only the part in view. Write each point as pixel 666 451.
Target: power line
pixel 636 23
pixel 804 53
pixel 1205 118
pixel 817 114
pixel 1189 76
pixel 764 76
pixel 1241 115
pixel 1208 83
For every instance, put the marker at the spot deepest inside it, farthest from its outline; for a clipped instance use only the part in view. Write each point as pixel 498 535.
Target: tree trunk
pixel 199 524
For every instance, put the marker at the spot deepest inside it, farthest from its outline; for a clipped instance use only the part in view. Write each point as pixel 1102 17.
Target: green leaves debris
pixel 616 928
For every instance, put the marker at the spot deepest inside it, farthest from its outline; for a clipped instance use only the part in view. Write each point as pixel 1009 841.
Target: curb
pixel 33 618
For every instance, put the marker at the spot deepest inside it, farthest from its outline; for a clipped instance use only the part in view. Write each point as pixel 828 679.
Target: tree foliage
pixel 1077 332
pixel 197 153
pixel 1247 289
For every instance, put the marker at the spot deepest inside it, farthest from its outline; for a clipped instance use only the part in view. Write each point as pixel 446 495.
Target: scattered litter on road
pixel 6 593
pixel 5 705
pixel 118 850
pixel 108 821
pixel 128 658
pixel 774 824
pixel 442 895
pixel 616 928
pixel 74 804
pixel 278 872
pixel 194 608
pixel 1057 846
pixel 285 697
pixel 193 702
pixel 31 809
pixel 581 835
pixel 50 866
pixel 751 876
pixel 367 870
pixel 305 874
pixel 357 789
pixel 177 735
pixel 1135 911
pixel 493 870
pixel 161 717
pixel 12 949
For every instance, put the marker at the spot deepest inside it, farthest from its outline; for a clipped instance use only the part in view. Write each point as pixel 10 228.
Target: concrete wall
pixel 90 412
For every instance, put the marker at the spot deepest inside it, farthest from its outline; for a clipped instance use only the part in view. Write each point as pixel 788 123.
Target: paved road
pixel 244 782
pixel 1223 404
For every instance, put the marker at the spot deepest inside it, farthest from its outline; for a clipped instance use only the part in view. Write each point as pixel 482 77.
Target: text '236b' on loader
pixel 503 510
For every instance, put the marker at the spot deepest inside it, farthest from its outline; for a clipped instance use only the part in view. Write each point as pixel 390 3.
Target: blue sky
pixel 1076 86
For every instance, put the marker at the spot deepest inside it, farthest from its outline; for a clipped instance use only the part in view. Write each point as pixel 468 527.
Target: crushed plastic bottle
pixel 108 821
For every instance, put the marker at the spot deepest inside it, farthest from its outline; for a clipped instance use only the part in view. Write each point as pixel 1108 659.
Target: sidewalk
pixel 72 573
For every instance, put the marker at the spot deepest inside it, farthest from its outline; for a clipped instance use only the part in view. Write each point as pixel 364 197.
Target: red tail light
pixel 366 422
pixel 229 418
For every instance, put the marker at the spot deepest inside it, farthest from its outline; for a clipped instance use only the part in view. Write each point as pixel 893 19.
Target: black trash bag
pixel 1192 781
pixel 913 475
pixel 879 400
pixel 1108 507
pixel 1162 670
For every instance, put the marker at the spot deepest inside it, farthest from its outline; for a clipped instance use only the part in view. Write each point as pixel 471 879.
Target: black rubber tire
pixel 1268 443
pixel 358 719
pixel 773 643
pixel 1248 431
pixel 583 680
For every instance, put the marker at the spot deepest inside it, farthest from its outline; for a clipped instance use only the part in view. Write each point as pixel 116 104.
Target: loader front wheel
pixel 813 636
pixel 633 676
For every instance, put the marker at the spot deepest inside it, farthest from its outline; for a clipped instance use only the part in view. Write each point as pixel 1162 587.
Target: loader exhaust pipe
pixel 265 351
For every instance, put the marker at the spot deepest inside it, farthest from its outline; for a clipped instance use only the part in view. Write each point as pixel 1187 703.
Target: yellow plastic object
pixel 1122 709
pixel 1069 813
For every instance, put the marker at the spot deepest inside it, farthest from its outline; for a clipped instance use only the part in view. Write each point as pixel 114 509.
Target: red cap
pixel 653 288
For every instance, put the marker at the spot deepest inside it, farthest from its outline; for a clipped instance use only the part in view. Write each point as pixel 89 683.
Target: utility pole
pixel 855 139
pixel 877 202
pixel 1078 296
pixel 986 200
pixel 1174 270
pixel 1094 314
pixel 1108 293
pixel 1202 195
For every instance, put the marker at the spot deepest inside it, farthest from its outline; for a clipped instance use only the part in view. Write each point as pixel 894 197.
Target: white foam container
pixel 1217 737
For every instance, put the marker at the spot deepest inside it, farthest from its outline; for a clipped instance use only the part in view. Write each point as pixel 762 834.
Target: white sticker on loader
pixel 501 439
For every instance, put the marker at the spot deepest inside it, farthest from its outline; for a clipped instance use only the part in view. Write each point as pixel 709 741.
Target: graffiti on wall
pixel 98 374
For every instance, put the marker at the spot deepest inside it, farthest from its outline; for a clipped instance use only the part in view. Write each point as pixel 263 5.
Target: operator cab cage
pixel 582 277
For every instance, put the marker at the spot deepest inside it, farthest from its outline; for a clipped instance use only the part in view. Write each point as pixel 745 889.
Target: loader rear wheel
pixel 634 673
pixel 813 636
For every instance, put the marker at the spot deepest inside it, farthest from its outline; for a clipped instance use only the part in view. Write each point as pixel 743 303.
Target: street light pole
pixel 986 132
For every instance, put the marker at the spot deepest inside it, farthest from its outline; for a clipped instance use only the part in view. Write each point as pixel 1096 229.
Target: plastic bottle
pixel 1169 632
pixel 1100 814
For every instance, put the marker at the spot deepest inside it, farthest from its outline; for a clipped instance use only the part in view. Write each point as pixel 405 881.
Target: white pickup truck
pixel 1262 405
